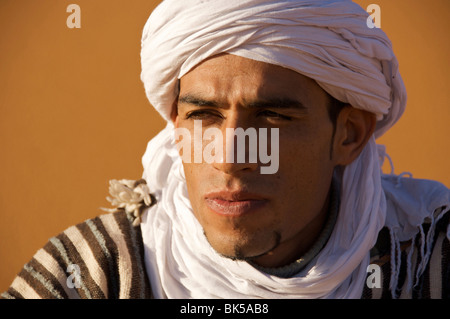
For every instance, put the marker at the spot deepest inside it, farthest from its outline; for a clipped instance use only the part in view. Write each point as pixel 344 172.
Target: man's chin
pixel 245 250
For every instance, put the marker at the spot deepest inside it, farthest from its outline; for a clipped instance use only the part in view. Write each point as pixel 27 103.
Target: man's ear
pixel 354 127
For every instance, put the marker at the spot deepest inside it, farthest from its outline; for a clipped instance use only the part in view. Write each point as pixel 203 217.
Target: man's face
pixel 269 218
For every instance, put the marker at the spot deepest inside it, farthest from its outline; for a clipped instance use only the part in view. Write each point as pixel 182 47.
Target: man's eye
pixel 203 115
pixel 274 115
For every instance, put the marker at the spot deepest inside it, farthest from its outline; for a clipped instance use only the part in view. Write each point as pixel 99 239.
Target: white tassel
pixel 395 263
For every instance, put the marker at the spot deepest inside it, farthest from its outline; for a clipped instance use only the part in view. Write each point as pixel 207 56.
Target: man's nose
pixel 240 145
pixel 236 168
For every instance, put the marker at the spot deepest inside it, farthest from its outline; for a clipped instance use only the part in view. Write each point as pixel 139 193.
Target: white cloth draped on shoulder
pixel 328 41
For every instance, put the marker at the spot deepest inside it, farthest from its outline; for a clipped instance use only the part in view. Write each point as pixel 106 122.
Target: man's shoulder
pixel 101 257
pixel 115 226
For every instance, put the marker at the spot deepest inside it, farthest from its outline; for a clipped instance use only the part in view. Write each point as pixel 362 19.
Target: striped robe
pixel 108 255
pixel 433 283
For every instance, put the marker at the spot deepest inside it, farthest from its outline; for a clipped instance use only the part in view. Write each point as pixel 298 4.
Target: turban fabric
pixel 328 41
pixel 325 40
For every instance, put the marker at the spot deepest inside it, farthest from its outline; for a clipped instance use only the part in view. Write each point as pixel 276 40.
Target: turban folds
pixel 328 41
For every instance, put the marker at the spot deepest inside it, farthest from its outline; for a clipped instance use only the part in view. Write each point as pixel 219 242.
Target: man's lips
pixel 234 204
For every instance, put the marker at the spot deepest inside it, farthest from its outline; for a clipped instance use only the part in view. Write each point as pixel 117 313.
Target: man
pixel 312 220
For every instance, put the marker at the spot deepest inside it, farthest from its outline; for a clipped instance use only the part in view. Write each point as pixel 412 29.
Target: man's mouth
pixel 235 203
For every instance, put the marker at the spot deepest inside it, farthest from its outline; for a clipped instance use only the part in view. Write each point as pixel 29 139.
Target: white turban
pixel 328 41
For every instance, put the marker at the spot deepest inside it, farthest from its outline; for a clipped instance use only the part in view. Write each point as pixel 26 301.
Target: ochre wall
pixel 73 112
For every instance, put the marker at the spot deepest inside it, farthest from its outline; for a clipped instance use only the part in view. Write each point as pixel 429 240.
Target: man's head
pixel 234 60
pixel 326 40
pixel 269 218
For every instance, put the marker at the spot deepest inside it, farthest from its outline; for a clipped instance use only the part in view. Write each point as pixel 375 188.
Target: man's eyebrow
pixel 197 101
pixel 277 103
pixel 273 103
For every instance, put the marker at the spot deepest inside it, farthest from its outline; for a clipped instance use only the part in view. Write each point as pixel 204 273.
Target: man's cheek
pixel 194 181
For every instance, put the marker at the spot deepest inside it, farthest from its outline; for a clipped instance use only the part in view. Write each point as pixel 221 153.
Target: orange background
pixel 73 112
